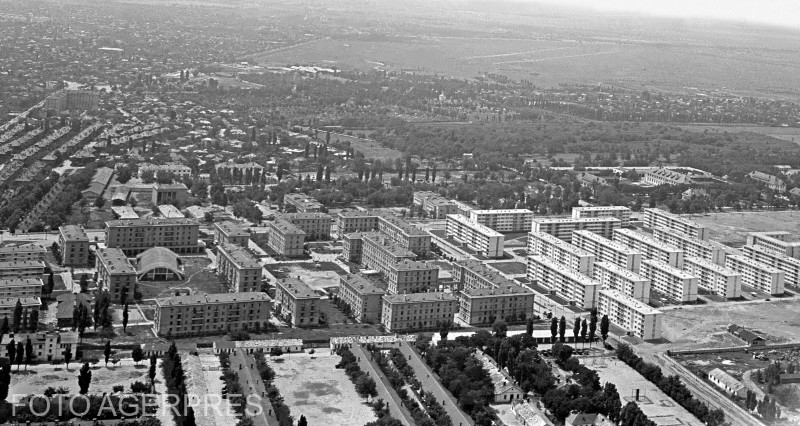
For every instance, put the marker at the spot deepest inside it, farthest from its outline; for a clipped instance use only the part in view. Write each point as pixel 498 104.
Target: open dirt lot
pixel 705 326
pixel 313 387
pixel 659 407
pixel 327 275
pixel 733 227
pixel 37 378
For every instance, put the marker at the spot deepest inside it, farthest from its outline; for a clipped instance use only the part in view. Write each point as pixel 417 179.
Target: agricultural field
pixel 789 134
pixel 732 228
pixel 311 386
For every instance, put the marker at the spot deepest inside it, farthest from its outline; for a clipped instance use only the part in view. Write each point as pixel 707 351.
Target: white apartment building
pixel 654 218
pixel 620 212
pixel 484 240
pixel 560 251
pixel 706 249
pixel 505 220
pixel 650 247
pixel 757 275
pixel 713 277
pixel 789 265
pixel 625 312
pixel 778 242
pixel 606 250
pixel 567 283
pixel 563 227
pixel 670 281
pixel 629 283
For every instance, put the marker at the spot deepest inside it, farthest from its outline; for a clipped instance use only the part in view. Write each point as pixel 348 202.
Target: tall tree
pixel 85 378
pixel 562 328
pixel 604 326
pixel 67 355
pixel 11 350
pixel 529 327
pixel 29 355
pixel 20 354
pixel 584 330
pixel 576 329
pixel 592 328
pixel 17 323
pixel 4 328
pixel 125 319
pixel 553 329
pixel 107 351
pixel 5 381
pixel 33 324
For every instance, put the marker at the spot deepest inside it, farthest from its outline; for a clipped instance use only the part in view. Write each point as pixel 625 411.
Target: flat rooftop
pixel 115 261
pixel 151 222
pixel 668 269
pixel 216 298
pixel 231 229
pixel 430 297
pixel 241 257
pixel 73 233
pixel 298 289
pixel 361 285
pixel 475 226
pixel 576 220
pixel 627 273
pixel 630 302
pixel 563 270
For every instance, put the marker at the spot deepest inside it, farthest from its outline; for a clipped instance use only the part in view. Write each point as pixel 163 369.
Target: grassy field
pixel 732 228
pixel 311 386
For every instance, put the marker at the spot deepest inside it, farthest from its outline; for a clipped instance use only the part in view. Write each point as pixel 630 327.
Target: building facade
pixel 135 236
pixel 650 247
pixel 297 303
pixel 713 277
pixel 286 239
pixel 302 203
pixel 47 345
pixel 477 237
pixel 74 246
pixel 203 314
pixel 317 226
pixel 115 274
pixel 606 250
pixel 417 311
pixel 789 265
pixel 777 242
pixel 560 251
pixel 562 227
pixel 706 249
pixel 482 306
pixel 231 233
pixel 503 220
pixel 239 268
pixel 569 284
pixel 670 281
pixel 627 282
pixel 654 218
pixel 757 275
pixel 620 212
pixel 632 315
pixel 362 296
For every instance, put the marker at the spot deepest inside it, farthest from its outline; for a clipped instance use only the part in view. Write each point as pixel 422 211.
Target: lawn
pixel 199 279
pixel 312 387
pixel 732 228
pixel 510 268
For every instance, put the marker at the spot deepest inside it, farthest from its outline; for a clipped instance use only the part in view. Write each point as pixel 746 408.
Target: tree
pixel 11 350
pixel 137 354
pixel 604 325
pixel 366 386
pixel 107 351
pixel 529 327
pixel 500 328
pixel 612 404
pixel 125 318
pixel 48 289
pixel 84 283
pixel 67 356
pixel 85 378
pixel 5 381
pixel 584 330
pixel 576 329
pixel 562 328
pixel 444 329
pixel 29 355
pixel 4 328
pixel 592 328
pixel 208 217
pixel 33 323
pixel 20 354
pixel 17 317
pixel 553 329
pixel 124 175
pixel 302 421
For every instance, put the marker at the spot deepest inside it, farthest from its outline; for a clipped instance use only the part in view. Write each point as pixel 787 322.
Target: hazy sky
pixel 776 12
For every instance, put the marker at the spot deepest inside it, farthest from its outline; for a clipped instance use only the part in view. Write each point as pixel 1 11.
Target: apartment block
pixel 757 275
pixel 619 212
pixel 169 193
pixel 564 281
pixel 202 314
pixel 74 246
pixel 115 274
pixel 398 230
pixel 606 250
pixel 362 296
pixel 482 306
pixel 46 345
pixel 21 287
pixel 481 239
pixel 706 249
pixel 650 247
pixel 356 221
pixel 630 314
pixel 317 226
pixel 31 252
pixel 302 203
pixel 285 238
pixel 472 275
pixel 562 227
pixel 713 277
pixel 778 242
pixel 134 236
pixel 670 281
pixel 297 302
pixel 789 265
pixel 239 268
pixel 560 251
pixel 380 253
pixel 409 276
pixel 504 220
pixel 627 282
pixel 21 269
pixel 654 218
pixel 9 304
pixel 176 169
pixel 417 311
pixel 231 233
pixel 352 245
pixel 436 206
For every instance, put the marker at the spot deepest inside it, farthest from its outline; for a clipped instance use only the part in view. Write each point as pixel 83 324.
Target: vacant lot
pixel 693 327
pixel 313 387
pixel 510 268
pixel 732 228
pixel 317 275
pixel 37 378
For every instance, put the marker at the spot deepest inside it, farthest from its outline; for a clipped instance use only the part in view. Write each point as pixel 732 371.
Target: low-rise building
pixel 706 249
pixel 74 246
pixel 670 281
pixel 477 237
pixel 655 218
pixel 562 227
pixel 47 345
pixel 727 383
pixel 159 264
pixel 169 193
pixel 606 250
pixel 202 314
pixel 564 281
pixel 417 311
pixel 302 203
pixel 297 303
pixel 650 247
pixel 286 239
pixel 239 268
pixel 482 306
pixel 620 212
pixel 232 233
pixel 713 277
pixel 317 226
pixel 625 281
pixel 632 315
pixel 115 274
pixel 506 391
pixel 771 181
pixel 175 169
pixel 503 220
pixel 362 296
pixel 666 176
pixel 757 275
pixel 560 251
